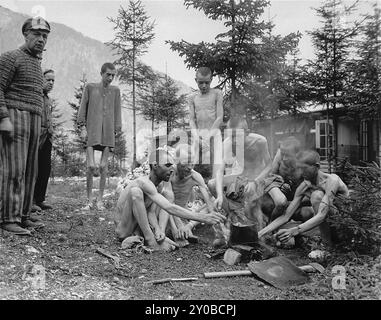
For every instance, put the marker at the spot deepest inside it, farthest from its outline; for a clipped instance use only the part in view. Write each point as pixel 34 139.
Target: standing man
pixel 205 118
pixel 100 116
pixel 21 104
pixel 45 147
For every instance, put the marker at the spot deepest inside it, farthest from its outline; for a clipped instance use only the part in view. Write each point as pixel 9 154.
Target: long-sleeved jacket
pixel 100 110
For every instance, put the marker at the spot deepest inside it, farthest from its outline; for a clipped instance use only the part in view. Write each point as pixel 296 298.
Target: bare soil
pixel 65 252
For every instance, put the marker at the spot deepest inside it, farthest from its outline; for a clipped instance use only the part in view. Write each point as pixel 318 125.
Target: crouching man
pixel 239 195
pixel 313 200
pixel 135 209
pixel 182 189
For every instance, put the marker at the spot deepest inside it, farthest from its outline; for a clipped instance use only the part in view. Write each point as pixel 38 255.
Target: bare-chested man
pixel 181 188
pixel 281 185
pixel 137 199
pixel 320 189
pixel 239 194
pixel 205 118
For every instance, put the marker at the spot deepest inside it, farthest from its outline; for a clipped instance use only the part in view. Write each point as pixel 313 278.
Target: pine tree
pixel 147 98
pixel 61 152
pixel 242 52
pixel 161 101
pixel 291 85
pixel 364 97
pixel 327 72
pixel 79 143
pixel 57 124
pixel 171 105
pixel 133 33
pixel 120 151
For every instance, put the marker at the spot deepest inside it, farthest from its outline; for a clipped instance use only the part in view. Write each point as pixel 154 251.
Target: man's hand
pixel 159 235
pixel 218 203
pixel 284 235
pixel 211 218
pixel 250 188
pixel 6 127
pixel 184 232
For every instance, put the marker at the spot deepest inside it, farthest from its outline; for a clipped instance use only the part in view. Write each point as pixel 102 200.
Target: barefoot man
pixel 99 116
pixel 135 202
pixel 318 190
pixel 238 194
pixel 182 189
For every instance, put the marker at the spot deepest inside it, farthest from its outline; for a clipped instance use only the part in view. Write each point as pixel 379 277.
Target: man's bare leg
pixel 280 203
pixel 103 168
pixel 162 215
pixel 325 231
pixel 127 223
pixel 220 236
pixel 176 224
pixel 89 177
pixel 163 218
pixel 140 213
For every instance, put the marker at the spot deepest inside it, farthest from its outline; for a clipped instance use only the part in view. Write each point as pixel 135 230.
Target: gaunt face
pixel 108 76
pixel 308 172
pixel 203 82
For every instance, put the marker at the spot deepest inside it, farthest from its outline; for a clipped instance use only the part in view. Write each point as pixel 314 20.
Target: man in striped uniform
pixel 21 103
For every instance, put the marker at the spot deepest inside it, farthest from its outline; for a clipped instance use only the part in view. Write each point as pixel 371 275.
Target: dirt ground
pixel 64 254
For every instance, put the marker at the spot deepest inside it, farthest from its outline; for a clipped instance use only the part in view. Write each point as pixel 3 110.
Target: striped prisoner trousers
pixel 18 166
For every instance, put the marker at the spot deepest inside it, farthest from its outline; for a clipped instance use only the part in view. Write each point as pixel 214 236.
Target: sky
pixel 173 22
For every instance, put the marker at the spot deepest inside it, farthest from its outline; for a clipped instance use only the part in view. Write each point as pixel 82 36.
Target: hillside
pixel 71 55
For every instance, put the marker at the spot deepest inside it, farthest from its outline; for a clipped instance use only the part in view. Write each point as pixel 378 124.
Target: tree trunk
pixel 233 71
pixel 134 161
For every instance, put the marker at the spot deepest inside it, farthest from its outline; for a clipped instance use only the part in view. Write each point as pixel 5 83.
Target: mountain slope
pixel 71 55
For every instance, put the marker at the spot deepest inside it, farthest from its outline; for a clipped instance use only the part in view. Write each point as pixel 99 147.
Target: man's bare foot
pixel 182 243
pixel 167 245
pixel 159 236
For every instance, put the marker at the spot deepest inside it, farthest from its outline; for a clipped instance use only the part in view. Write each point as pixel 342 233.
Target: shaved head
pixel 160 157
pixel 309 157
pixel 204 71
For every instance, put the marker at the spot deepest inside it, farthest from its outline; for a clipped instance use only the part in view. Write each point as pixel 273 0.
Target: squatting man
pixel 313 201
pixel 135 210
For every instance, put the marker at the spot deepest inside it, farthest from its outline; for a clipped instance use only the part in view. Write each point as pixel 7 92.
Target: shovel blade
pixel 279 272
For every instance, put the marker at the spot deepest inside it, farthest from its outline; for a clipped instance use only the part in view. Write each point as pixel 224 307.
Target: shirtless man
pixel 137 198
pixel 181 186
pixel 205 118
pixel 281 185
pixel 239 194
pixel 320 189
